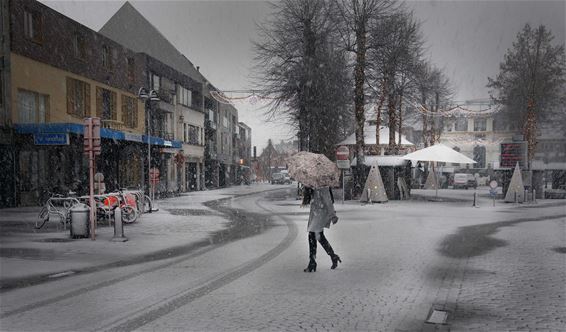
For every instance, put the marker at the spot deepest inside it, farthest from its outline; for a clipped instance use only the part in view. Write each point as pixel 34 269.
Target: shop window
pixel 33 26
pixel 32 107
pixel 129 111
pixel 479 156
pixel 106 104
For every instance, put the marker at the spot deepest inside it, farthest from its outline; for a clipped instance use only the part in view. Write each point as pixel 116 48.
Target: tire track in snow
pixel 163 308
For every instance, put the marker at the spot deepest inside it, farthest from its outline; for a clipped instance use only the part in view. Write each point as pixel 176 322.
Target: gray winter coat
pixel 322 210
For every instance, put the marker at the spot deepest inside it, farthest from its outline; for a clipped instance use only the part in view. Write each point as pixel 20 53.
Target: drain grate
pixel 437 317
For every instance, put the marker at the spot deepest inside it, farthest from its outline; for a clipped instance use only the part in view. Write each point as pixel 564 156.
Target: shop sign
pixel 133 137
pixel 513 153
pixel 51 139
pixel 167 143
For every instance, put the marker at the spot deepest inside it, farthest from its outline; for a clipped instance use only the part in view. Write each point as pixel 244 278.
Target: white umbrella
pixel 439 153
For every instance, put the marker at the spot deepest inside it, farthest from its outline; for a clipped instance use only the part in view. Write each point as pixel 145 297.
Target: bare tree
pixel 298 65
pixel 531 81
pixel 434 92
pixel 355 20
pixel 397 48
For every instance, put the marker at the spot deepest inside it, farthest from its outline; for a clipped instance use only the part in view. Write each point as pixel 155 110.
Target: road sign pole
pixel 91 198
pixel 343 187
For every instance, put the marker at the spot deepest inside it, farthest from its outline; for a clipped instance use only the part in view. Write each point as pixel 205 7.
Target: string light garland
pixel 456 111
pixel 251 97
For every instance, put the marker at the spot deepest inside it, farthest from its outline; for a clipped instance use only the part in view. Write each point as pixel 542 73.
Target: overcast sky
pixel 467 39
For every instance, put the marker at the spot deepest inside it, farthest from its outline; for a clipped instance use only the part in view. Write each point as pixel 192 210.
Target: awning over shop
pixel 75 128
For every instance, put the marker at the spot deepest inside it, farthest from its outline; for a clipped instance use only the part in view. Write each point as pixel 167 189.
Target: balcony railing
pixel 112 124
pixel 165 135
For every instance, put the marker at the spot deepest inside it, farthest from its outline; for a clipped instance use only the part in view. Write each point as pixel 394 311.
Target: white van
pixel 464 180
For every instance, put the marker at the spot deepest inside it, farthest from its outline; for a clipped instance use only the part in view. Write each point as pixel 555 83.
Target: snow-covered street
pixel 490 268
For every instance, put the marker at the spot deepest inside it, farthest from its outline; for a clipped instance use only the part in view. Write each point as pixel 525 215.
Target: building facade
pixel 55 72
pixel 60 73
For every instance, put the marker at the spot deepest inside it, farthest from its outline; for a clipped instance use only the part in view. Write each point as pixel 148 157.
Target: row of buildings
pixel 55 72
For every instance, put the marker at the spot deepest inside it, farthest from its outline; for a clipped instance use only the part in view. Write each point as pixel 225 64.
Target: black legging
pixel 323 242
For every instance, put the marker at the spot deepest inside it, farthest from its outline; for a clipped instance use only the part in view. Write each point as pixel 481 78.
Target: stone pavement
pixel 28 255
pixel 491 268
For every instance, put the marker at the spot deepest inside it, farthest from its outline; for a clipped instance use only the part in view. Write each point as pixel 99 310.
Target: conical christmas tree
pixel 516 187
pixel 374 190
pixel 431 181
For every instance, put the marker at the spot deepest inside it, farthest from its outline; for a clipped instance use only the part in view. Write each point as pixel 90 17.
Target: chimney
pixel 198 68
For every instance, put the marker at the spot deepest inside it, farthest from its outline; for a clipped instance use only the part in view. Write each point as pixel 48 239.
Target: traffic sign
pixel 342 153
pixel 493 184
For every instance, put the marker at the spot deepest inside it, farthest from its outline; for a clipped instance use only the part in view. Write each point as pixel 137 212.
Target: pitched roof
pixel 131 29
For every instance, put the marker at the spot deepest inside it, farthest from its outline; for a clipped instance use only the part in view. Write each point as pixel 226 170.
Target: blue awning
pixel 75 128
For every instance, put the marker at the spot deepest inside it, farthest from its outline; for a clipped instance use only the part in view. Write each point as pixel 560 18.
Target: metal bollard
pixel 515 197
pixel 526 196
pixel 118 227
pixel 475 199
pixel 534 196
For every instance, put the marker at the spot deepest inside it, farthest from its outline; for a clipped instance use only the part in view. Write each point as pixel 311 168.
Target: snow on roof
pixel 382 161
pixel 369 136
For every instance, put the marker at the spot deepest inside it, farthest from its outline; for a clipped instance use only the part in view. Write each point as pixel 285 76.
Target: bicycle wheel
pixel 42 217
pixel 147 206
pixel 129 214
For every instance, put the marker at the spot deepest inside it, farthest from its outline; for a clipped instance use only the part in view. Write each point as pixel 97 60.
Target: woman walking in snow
pixel 322 213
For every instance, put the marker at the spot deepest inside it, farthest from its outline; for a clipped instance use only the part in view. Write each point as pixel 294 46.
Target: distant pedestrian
pixel 322 214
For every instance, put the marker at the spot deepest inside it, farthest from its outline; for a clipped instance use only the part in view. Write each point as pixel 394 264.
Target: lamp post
pixel 148 97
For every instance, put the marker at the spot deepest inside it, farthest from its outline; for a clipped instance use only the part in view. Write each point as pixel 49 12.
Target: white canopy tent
pixel 439 153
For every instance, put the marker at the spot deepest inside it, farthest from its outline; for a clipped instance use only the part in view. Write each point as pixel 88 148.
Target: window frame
pixel 75 86
pixel 460 121
pixel 79 46
pixel 101 94
pixel 130 115
pixel 476 123
pixel 108 57
pixel 33 32
pixel 38 97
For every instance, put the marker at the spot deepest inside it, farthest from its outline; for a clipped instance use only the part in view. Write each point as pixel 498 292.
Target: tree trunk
pixel 400 117
pixel 359 77
pixel 392 122
pixel 529 134
pixel 378 117
pixel 359 100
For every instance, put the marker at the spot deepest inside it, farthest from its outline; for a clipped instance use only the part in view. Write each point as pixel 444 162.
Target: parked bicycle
pixel 56 205
pixel 127 203
pixel 144 202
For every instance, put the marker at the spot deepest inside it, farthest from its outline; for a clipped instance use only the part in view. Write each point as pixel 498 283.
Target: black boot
pixel 312 253
pixel 328 248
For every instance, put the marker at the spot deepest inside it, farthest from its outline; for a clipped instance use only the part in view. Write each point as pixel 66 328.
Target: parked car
pixel 280 178
pixel 464 180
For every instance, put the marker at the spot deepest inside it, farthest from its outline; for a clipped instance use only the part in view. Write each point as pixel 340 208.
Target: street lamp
pixel 148 97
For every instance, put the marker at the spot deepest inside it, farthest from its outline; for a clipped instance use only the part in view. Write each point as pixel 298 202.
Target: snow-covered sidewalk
pixel 27 253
